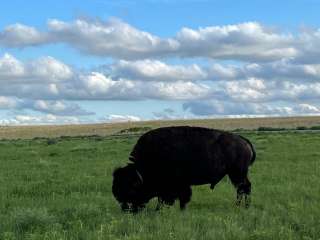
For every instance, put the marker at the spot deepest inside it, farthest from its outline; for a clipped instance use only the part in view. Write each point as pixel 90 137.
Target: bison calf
pixel 167 161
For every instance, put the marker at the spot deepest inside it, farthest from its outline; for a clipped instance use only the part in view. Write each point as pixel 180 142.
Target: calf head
pixel 127 188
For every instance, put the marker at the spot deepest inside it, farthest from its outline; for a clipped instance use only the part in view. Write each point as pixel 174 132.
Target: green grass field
pixel 61 189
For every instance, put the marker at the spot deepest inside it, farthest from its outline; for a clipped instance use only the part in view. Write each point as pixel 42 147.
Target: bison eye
pixel 132 191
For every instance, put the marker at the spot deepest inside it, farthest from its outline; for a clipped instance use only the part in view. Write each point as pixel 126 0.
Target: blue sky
pixel 99 61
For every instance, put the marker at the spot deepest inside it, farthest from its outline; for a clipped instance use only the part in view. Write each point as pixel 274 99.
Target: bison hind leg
pixel 241 182
pixel 244 189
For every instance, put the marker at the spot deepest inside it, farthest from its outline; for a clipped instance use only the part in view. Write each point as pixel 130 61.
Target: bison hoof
pixel 247 201
pixel 159 207
pixel 239 200
pixel 182 207
pixel 125 207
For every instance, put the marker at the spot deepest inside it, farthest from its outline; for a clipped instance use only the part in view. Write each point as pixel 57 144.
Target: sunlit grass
pixel 62 190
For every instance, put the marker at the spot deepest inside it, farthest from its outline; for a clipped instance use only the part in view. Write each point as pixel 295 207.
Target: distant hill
pixel 103 129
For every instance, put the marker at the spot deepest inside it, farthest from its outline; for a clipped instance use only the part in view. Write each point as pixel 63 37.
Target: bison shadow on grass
pixel 166 162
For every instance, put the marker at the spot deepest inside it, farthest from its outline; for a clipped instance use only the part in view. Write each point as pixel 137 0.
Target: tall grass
pixel 62 190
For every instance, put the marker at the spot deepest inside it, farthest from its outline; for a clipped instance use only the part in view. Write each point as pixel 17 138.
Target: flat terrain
pixel 27 132
pixel 61 189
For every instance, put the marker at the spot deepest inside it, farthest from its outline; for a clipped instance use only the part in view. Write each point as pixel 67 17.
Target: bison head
pixel 127 188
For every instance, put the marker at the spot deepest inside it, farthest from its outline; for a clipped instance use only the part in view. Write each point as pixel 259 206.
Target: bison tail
pixel 253 157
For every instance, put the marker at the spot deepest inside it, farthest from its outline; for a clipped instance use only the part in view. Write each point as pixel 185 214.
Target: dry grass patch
pixel 29 132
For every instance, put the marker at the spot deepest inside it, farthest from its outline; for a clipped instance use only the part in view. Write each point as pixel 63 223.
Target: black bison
pixel 167 161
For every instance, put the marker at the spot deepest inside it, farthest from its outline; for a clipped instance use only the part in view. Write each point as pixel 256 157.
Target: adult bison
pixel 167 161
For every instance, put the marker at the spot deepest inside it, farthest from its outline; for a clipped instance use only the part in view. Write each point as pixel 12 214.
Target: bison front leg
pixel 125 207
pixel 185 196
pixel 137 208
pixel 247 200
pixel 165 199
pixel 159 204
pixel 239 198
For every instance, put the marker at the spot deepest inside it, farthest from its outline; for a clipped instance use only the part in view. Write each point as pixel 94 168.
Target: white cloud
pixel 48 119
pixel 154 70
pixel 251 90
pixel 308 43
pixel 224 108
pixel 258 91
pixel 47 85
pixel 273 72
pixel 307 108
pixel 248 41
pixel 179 90
pixel 225 72
pixel 167 113
pixel 10 67
pixel 111 38
pixel 61 108
pixel 49 79
pixel 96 86
pixel 19 35
pixel 122 118
pixel 7 102
pixel 283 70
pixel 45 69
pixel 50 69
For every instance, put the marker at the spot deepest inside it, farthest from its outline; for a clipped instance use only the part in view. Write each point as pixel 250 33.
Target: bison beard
pixel 166 162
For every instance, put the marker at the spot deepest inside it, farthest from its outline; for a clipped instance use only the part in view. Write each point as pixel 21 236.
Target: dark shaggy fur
pixel 166 162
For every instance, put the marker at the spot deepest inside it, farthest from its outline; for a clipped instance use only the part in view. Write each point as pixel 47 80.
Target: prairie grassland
pixel 61 189
pixel 28 132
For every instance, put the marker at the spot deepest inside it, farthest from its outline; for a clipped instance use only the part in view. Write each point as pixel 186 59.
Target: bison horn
pixel 139 176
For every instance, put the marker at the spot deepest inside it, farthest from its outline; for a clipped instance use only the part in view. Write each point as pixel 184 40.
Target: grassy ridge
pixel 29 132
pixel 62 190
